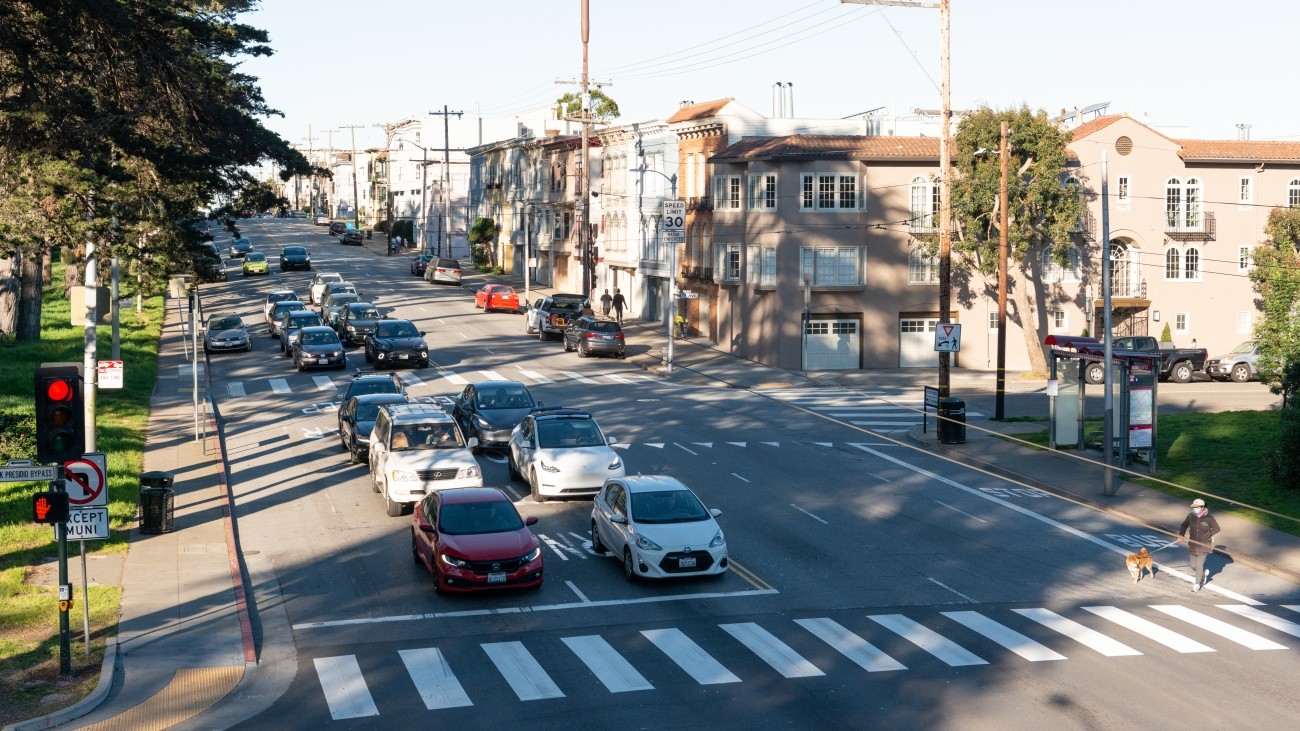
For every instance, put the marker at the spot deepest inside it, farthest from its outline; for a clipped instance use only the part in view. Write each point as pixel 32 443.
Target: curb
pixel 107 670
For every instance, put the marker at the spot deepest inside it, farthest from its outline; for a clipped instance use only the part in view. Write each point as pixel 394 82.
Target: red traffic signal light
pixel 60 431
pixel 50 507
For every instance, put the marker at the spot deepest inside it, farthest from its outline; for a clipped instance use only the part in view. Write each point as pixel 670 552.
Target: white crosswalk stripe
pixel 279 385
pixel 605 663
pixel 1005 636
pixel 437 685
pixel 452 376
pixel 235 389
pixel 870 409
pixel 534 375
pixel 689 656
pixel 1277 623
pixel 411 380
pixel 1084 635
pixel 345 690
pixel 928 640
pixel 324 383
pixel 866 655
pixel 774 652
pixel 579 377
pixel 1218 627
pixel 1146 628
pixel 493 376
pixel 522 671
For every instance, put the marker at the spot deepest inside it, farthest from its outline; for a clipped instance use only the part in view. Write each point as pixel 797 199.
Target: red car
pixel 497 297
pixel 473 538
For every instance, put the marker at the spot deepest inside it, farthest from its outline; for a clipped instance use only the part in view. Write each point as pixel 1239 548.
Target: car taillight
pixel 592 336
pixel 618 336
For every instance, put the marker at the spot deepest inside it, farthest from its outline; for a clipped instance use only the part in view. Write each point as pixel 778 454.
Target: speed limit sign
pixel 674 221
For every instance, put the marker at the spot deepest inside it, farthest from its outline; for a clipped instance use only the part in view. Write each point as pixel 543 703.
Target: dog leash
pixel 1167 545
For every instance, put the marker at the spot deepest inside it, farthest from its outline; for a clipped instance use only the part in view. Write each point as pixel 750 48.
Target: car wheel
pixel 566 345
pixel 354 457
pixel 596 545
pixel 368 358
pixel 394 509
pixel 374 484
pixel 583 350
pixel 415 549
pixel 1241 373
pixel 1094 373
pixel 528 326
pixel 1181 373
pixel 510 466
pixel 629 570
pixel 532 486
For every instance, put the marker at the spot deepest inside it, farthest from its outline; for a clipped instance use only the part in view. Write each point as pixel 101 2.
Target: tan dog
pixel 1138 564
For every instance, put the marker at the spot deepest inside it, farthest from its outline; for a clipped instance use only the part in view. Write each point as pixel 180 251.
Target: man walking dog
pixel 1199 529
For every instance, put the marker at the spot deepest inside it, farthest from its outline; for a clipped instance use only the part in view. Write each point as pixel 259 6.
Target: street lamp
pixel 672 268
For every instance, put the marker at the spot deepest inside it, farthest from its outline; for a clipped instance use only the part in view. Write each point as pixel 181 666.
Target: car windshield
pixel 342 298
pixel 229 322
pixel 256 256
pixel 1245 347
pixel 553 433
pixel 319 337
pixel 368 410
pixel 426 436
pixel 565 307
pixel 503 290
pixel 397 330
pixel 364 313
pixel 327 278
pixel 303 320
pixel 472 518
pixel 372 385
pixel 667 506
pixel 294 251
pixel 280 296
pixel 448 264
pixel 503 398
pixel 601 326
pixel 289 306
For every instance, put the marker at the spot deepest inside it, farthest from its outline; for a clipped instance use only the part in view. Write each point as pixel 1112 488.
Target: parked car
pixel 295 257
pixel 562 452
pixel 444 271
pixel 277 295
pixel 416 449
pixel 1176 364
pixel 334 304
pixel 551 314
pixel 240 246
pixel 255 263
pixel 289 325
pixel 226 332
pixel 396 342
pixel 473 538
pixel 318 285
pixel 355 321
pixel 351 238
pixel 357 417
pixel 590 334
pixel 420 263
pixel 1239 364
pixel 278 311
pixel 367 383
pixel 318 346
pixel 490 411
pixel 337 228
pixel 497 297
pixel 658 528
pixel 209 266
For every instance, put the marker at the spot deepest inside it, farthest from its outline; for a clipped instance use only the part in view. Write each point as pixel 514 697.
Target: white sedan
pixel 561 452
pixel 658 528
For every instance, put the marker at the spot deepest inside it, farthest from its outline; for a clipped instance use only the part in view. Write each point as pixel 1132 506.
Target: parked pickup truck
pixel 1176 364
pixel 1239 364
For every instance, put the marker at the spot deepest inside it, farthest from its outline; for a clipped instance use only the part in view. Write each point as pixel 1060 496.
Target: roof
pixel 1239 150
pixel 1096 124
pixel 700 111
pixel 841 146
pixel 416 412
pixel 652 483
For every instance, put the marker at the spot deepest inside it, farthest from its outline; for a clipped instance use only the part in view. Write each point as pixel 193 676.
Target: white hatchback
pixel 658 528
pixel 318 285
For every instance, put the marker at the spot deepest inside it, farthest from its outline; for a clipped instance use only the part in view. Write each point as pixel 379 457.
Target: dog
pixel 1139 564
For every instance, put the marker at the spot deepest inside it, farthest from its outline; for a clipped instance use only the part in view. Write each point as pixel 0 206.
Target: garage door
pixel 833 345
pixel 916 342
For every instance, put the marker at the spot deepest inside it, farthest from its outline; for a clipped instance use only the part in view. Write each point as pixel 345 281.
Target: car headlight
pixel 616 463
pixel 335 353
pixel 363 439
pixel 547 467
pixel 402 475
pixel 424 346
pixel 646 544
pixel 482 423
pixel 453 561
pixel 718 540
pixel 532 555
pixel 470 472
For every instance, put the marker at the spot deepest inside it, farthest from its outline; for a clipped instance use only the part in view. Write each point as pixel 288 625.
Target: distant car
pixel 396 342
pixel 351 238
pixel 277 312
pixel 497 297
pixel 289 325
pixel 366 383
pixel 337 228
pixel 549 315
pixel 590 335
pixel 318 285
pixel 318 346
pixel 295 257
pixel 255 263
pixel 473 538
pixel 420 263
pixel 658 529
pixel 355 321
pixel 444 271
pixel 562 452
pixel 322 220
pixel 334 304
pixel 356 419
pixel 240 247
pixel 1239 364
pixel 297 214
pixel 277 295
pixel 490 410
pixel 333 288
pixel 208 264
pixel 226 332
pixel 416 449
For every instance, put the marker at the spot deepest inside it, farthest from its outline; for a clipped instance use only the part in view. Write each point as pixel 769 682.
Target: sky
pixel 1191 68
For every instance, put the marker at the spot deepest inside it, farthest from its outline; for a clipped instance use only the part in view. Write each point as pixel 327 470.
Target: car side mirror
pixel 426 526
pixel 472 442
pixel 618 518
pixel 611 440
pixel 715 512
pixel 530 520
pixel 421 333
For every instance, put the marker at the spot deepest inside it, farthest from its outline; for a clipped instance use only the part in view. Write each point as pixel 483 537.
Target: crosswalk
pixel 950 638
pixel 875 410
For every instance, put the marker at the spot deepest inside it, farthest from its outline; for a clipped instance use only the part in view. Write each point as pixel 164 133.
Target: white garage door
pixel 833 345
pixel 916 343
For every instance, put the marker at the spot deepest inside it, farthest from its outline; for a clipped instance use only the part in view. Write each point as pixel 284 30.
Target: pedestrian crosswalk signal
pixel 60 427
pixel 50 507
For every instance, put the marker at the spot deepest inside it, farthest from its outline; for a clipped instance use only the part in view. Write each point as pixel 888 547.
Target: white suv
pixel 318 285
pixel 416 449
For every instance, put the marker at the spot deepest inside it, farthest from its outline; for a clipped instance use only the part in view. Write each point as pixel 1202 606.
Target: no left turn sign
pixel 87 481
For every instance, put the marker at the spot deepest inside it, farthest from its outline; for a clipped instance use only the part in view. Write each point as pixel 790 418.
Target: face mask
pixel 1198 512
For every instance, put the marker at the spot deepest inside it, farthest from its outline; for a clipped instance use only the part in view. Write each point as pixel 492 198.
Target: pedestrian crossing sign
pixel 947 337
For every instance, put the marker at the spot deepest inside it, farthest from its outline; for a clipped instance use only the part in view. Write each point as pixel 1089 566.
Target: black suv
pixel 337 228
pixel 591 334
pixel 355 321
pixel 396 341
pixel 357 418
pixel 363 383
pixel 351 237
pixel 551 314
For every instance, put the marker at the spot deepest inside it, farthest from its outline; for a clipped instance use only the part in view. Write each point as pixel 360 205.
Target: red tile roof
pixel 1093 125
pixel 1239 150
pixel 702 110
pixel 847 146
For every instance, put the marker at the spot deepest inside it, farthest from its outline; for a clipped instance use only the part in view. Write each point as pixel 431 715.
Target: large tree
pixel 1276 275
pixel 603 109
pixel 1043 210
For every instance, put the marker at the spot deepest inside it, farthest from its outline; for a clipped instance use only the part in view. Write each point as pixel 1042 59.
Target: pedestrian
pixel 605 301
pixel 619 303
pixel 1199 529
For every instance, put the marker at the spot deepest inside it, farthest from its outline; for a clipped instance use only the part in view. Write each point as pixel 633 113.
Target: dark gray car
pixel 355 321
pixel 357 418
pixel 490 410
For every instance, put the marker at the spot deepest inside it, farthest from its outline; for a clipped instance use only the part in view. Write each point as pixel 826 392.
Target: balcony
pixel 704 203
pixel 1180 229
pixel 701 274
pixel 1086 227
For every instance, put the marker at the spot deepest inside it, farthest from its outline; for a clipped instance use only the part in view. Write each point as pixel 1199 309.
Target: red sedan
pixel 497 297
pixel 472 538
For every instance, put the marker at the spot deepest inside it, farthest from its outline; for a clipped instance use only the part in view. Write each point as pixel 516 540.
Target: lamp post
pixel 672 269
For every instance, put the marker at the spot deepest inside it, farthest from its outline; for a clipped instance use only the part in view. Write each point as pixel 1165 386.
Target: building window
pixel 1246 190
pixel 1181 320
pixel 832 266
pixel 762 192
pixel 1183 205
pixel 1173 263
pixel 848 192
pixel 1192 264
pixel 993 320
pixel 1055 272
pixel 828 192
pixel 1243 258
pixel 1293 193
pixel 924 203
pixel 726 192
pixel 1060 322
pixel 761 266
pixel 922 267
pixel 729 263
pixel 1243 323
pixel 1122 194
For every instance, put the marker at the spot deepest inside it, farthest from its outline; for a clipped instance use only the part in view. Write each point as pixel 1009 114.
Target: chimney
pixel 789 99
pixel 777 106
pixel 1243 131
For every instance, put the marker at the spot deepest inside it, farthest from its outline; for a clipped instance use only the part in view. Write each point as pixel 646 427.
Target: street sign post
pixel 674 222
pixel 22 470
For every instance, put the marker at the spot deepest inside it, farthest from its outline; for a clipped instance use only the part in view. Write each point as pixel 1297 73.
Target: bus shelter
pixel 1132 377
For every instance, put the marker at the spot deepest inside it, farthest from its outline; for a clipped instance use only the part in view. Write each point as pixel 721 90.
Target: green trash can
pixel 952 421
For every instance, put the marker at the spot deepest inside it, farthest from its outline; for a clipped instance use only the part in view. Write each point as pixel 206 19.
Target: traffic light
pixel 50 507
pixel 60 414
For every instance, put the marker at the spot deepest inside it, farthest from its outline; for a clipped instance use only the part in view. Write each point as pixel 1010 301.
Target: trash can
pixel 952 421
pixel 156 507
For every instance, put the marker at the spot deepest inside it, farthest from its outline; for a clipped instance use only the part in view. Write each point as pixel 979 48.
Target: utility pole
pixel 445 178
pixel 311 160
pixel 329 163
pixel 356 209
pixel 1001 400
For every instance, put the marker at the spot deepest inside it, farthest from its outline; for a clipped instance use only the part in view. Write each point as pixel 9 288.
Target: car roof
pixel 361 375
pixel 358 305
pixel 328 276
pixel 567 297
pixel 283 304
pixel 318 328
pixel 295 248
pixel 280 291
pixel 462 495
pixel 385 398
pixel 557 412
pixel 416 412
pixel 498 384
pixel 301 314
pixel 652 483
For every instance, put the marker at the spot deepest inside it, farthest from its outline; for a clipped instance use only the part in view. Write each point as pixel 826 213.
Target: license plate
pixel 403 356
pixel 322 361
pixel 686 562
pixel 497 578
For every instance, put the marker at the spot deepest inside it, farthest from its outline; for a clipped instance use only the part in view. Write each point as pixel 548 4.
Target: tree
pixel 1276 276
pixel 1043 210
pixel 603 109
pixel 482 240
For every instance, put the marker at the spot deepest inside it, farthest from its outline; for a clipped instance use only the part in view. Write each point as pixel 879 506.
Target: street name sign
pixel 22 470
pixel 674 222
pixel 86 524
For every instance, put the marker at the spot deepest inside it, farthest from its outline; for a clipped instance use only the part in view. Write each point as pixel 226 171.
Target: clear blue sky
pixel 1196 66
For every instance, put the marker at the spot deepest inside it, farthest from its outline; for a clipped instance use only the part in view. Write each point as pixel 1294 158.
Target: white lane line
pixel 1149 629
pixel 410 379
pixel 493 376
pixel 1277 623
pixel 866 655
pixel 522 671
pixel 737 444
pixel 1218 627
pixel 805 512
pixel 1084 635
pixel 534 375
pixel 324 383
pixel 927 639
pixel 605 663
pixel 451 376
pixel 774 652
pixel 949 588
pixel 345 690
pixel 559 548
pixel 579 377
pixel 574 588
pixel 706 445
pixel 684 449
pixel 433 678
pixel 738 477
pixel 616 379
pixel 1023 646
pixel 963 512
pixel 689 656
pixel 279 385
pixel 235 389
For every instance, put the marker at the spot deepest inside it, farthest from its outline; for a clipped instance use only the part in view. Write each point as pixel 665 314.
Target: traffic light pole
pixel 65 590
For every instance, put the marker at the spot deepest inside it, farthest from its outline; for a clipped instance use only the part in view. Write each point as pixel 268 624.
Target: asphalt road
pixel 874 586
